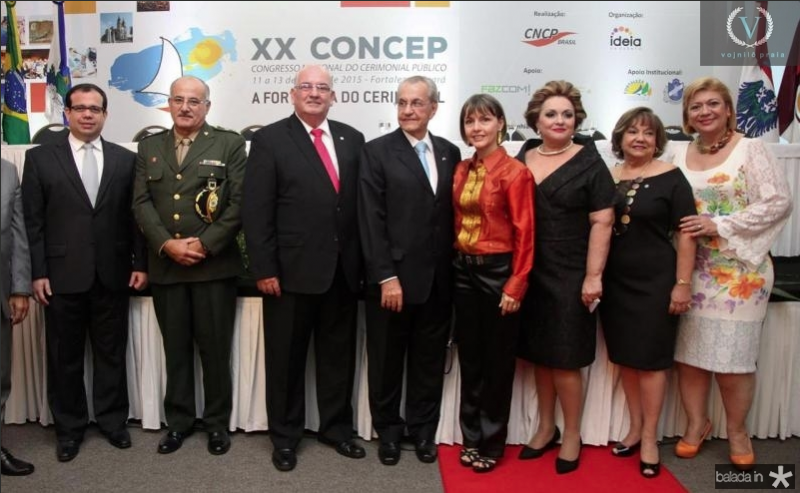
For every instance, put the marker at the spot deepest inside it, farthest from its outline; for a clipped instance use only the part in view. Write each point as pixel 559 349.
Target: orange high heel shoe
pixel 686 450
pixel 744 462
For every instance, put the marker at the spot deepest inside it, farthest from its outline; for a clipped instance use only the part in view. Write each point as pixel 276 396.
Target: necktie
pixel 183 149
pixel 89 173
pixel 421 149
pixel 326 158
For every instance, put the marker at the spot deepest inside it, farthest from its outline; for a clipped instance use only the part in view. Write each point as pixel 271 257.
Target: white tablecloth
pixel 775 412
pixel 776 409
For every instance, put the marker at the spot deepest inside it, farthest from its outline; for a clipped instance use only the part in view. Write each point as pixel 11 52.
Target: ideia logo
pixel 623 38
pixel 547 36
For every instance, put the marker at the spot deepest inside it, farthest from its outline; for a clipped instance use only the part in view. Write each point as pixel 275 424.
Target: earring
pixel 499 138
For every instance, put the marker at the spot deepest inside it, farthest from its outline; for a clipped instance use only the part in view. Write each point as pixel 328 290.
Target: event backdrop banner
pixel 619 54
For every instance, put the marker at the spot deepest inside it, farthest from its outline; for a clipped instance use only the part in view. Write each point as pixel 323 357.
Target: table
pixel 776 410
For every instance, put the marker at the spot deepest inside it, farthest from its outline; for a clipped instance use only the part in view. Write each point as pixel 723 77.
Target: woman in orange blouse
pixel 493 204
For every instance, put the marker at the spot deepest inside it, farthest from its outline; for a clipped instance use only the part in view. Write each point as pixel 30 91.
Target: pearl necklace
pixel 715 147
pixel 554 153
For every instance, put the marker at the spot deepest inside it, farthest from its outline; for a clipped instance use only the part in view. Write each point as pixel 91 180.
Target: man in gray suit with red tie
pixel 86 253
pixel 14 292
pixel 299 217
pixel 406 221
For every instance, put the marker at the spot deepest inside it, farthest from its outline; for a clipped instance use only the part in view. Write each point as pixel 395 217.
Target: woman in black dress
pixel 574 215
pixel 647 284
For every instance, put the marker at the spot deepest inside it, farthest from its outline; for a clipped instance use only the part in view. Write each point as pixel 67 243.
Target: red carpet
pixel 599 472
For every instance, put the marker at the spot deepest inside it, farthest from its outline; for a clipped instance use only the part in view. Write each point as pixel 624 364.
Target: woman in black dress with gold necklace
pixel 646 282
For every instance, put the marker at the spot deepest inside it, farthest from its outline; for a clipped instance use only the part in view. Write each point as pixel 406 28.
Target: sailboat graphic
pixel 169 68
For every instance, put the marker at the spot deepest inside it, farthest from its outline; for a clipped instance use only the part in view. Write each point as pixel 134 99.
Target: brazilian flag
pixel 15 107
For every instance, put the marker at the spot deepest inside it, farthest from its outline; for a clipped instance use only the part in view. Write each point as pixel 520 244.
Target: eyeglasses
pixel 308 87
pixel 415 104
pixel 79 108
pixel 192 102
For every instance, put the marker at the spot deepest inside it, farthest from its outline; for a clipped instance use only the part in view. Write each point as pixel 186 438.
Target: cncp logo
pixel 749 31
pixel 673 91
pixel 546 36
pixel 623 38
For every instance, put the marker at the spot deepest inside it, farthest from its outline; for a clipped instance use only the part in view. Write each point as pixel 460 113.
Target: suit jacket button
pixel 179 176
pixel 177 196
pixel 176 217
pixel 177 236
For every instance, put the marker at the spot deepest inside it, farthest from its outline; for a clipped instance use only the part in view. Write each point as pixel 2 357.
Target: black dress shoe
pixel 534 453
pixel 389 453
pixel 284 459
pixel 11 466
pixel 648 470
pixel 622 450
pixel 347 448
pixel 68 450
pixel 119 438
pixel 219 442
pixel 426 451
pixel 564 466
pixel 172 441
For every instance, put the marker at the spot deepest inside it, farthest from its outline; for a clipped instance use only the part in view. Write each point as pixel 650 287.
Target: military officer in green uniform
pixel 187 199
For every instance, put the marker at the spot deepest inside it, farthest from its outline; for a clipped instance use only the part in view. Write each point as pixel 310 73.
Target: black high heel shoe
pixel 534 453
pixel 622 450
pixel 649 471
pixel 564 466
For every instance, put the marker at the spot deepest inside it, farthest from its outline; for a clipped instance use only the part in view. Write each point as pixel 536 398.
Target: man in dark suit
pixel 406 221
pixel 302 240
pixel 15 289
pixel 85 254
pixel 187 200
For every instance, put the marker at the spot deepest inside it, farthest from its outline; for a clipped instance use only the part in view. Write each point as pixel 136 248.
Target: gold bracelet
pixel 683 282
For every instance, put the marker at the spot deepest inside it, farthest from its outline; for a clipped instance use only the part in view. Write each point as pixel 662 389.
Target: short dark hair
pixel 484 104
pixel 85 88
pixel 554 88
pixel 641 114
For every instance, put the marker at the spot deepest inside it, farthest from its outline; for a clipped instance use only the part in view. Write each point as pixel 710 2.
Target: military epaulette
pixel 140 138
pixel 227 130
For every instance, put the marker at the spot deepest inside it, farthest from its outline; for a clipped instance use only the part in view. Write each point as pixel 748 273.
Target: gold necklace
pixel 716 146
pixel 554 153
pixel 621 224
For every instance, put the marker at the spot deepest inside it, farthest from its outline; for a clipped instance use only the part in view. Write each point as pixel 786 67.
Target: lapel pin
pixel 341 138
pixel 154 159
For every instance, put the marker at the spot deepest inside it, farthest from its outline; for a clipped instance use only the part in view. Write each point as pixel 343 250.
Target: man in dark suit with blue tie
pixel 299 217
pixel 406 222
pixel 85 253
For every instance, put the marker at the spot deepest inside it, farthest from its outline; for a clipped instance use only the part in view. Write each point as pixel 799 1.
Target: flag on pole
pixel 59 79
pixel 15 106
pixel 789 96
pixel 756 105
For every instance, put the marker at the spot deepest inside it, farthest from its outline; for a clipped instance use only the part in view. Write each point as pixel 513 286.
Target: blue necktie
pixel 421 148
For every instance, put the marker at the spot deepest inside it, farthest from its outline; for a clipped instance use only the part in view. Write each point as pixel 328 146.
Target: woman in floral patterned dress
pixel 743 201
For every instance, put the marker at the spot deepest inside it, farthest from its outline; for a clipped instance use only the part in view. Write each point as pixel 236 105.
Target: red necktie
pixel 326 158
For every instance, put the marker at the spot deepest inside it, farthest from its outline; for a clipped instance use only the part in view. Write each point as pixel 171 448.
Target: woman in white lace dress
pixel 743 201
